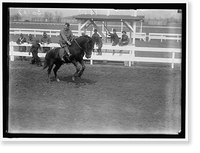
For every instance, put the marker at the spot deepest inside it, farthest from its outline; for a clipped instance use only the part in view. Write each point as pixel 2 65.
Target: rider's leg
pixel 63 52
pixel 67 50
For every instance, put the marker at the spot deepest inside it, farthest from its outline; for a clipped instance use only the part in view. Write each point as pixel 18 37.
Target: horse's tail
pixel 45 64
pixel 46 61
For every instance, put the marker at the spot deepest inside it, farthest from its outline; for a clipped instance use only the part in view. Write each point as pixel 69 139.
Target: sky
pixel 30 12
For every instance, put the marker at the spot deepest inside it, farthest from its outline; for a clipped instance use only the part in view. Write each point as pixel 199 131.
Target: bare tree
pixel 48 17
pixel 12 18
pixel 16 17
pixel 58 16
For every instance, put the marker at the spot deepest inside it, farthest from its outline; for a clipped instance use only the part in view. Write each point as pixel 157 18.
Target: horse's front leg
pixel 83 68
pixel 77 70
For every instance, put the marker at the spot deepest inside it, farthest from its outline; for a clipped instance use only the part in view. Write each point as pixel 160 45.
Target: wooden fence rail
pixel 126 57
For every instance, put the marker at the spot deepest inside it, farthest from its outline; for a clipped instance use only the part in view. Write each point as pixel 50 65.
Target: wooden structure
pixel 84 21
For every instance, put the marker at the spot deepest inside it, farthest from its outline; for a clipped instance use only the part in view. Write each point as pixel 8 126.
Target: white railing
pixel 165 36
pixel 53 32
pixel 129 57
pixel 35 32
pixel 109 25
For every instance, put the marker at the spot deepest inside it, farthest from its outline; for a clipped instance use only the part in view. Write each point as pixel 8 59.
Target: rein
pixel 79 45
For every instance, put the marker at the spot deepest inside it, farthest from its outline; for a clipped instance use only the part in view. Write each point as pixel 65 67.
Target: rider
pixel 65 41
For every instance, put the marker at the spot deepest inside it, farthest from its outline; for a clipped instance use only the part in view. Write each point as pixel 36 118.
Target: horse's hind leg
pixel 58 65
pixel 49 71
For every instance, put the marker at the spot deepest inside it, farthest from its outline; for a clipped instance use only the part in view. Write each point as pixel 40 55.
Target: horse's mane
pixel 86 36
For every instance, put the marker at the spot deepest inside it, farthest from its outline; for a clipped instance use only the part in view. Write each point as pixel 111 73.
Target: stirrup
pixel 68 57
pixel 69 54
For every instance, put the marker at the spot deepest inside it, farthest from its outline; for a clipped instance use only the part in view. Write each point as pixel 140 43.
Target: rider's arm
pixel 63 35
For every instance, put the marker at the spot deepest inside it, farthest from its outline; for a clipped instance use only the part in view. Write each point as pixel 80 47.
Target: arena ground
pixel 107 99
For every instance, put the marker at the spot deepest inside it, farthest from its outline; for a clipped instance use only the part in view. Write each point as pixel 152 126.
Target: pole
pixel 102 26
pixel 79 28
pixel 122 25
pixel 134 27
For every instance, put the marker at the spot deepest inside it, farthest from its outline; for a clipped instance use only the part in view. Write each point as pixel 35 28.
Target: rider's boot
pixel 67 55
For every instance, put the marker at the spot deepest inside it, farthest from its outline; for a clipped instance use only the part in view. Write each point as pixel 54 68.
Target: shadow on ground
pixel 79 81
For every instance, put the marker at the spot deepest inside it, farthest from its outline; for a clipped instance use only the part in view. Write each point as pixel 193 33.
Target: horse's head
pixel 88 45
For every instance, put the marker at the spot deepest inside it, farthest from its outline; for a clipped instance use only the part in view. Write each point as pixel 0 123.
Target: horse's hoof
pixel 57 80
pixel 73 78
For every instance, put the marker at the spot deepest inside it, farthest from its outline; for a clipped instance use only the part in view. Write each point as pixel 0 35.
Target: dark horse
pixel 79 47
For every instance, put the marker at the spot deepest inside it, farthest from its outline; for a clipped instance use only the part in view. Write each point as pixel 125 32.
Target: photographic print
pixel 94 70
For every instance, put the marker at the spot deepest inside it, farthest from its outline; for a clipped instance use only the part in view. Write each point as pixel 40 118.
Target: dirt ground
pixel 107 99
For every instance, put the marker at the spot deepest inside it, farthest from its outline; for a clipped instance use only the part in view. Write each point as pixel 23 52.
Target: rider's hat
pixel 124 32
pixel 67 24
pixel 95 30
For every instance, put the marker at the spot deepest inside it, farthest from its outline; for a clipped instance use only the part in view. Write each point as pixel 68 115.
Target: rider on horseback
pixel 65 41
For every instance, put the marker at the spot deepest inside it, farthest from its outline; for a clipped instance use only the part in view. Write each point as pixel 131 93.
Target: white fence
pixel 51 32
pixel 165 36
pixel 35 32
pixel 130 57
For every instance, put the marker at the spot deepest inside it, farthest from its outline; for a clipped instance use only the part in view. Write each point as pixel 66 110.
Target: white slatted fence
pixel 128 57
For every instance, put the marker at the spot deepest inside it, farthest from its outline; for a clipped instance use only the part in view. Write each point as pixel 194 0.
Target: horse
pixel 79 47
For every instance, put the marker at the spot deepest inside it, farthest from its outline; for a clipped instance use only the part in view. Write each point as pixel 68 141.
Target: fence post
pixel 133 55
pixel 50 33
pixel 11 52
pixel 91 62
pixel 149 37
pixel 35 33
pixel 173 56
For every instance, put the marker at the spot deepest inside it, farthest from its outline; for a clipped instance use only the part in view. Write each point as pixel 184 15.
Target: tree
pixel 58 17
pixel 48 17
pixel 16 17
